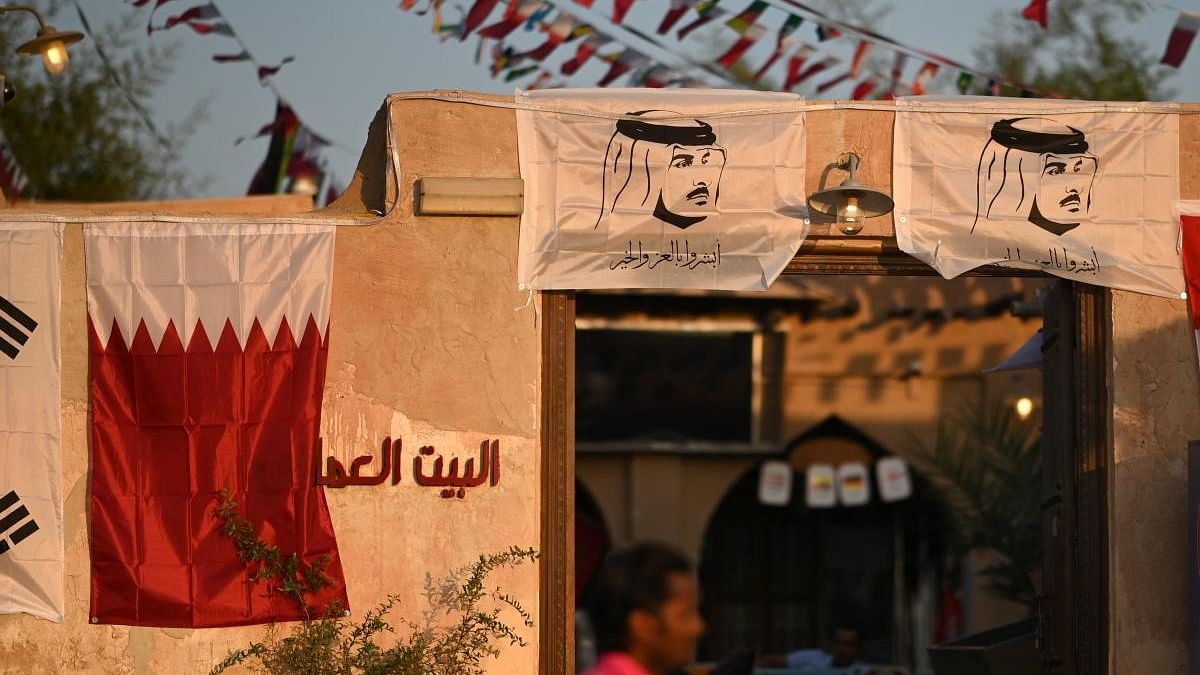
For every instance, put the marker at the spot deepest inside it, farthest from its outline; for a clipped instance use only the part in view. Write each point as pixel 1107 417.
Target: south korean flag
pixel 31 519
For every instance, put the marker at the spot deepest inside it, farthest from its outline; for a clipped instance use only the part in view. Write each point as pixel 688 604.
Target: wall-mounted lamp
pixel 50 42
pixel 851 202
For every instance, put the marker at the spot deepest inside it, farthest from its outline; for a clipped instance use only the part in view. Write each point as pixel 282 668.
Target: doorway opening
pixel 873 359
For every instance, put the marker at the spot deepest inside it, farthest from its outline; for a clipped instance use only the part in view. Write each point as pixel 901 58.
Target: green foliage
pixel 1079 54
pixel 986 465
pixel 78 136
pixel 287 574
pixel 463 623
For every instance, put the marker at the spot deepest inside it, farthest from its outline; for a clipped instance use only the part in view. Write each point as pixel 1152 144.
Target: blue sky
pixel 349 55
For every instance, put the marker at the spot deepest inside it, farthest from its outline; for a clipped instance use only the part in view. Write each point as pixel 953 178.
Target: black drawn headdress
pixel 701 133
pixel 1006 133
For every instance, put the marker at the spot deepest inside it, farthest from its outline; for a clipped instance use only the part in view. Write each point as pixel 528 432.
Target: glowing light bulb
pixel 55 58
pixel 849 217
pixel 1024 407
pixel 305 185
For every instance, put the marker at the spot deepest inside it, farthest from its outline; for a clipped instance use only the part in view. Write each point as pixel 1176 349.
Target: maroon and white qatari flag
pixel 1189 226
pixel 208 345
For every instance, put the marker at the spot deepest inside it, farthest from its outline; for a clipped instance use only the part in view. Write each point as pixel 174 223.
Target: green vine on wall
pixel 287 574
pixel 463 624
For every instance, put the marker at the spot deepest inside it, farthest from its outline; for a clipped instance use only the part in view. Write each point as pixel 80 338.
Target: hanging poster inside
pixel 1079 190
pixel 659 189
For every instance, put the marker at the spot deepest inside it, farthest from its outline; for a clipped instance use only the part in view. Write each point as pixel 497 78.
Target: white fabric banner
pixel 1077 189
pixel 651 188
pixel 31 516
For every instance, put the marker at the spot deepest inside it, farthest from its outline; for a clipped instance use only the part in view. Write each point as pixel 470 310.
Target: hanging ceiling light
pixel 50 42
pixel 851 202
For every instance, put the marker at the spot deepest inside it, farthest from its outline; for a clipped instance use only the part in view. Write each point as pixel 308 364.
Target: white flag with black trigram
pixel 31 517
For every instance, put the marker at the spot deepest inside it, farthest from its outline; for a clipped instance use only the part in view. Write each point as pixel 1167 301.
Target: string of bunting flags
pixel 294 160
pixel 13 179
pixel 615 44
pixel 566 28
pixel 1181 39
pixel 1178 43
pixel 804 61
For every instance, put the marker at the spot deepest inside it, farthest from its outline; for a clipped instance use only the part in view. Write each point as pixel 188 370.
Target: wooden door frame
pixel 1085 639
pixel 556 583
pixel 1073 604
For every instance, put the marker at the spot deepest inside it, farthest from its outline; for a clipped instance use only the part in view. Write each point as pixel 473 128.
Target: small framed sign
pixel 853 486
pixel 822 491
pixel 891 475
pixel 775 483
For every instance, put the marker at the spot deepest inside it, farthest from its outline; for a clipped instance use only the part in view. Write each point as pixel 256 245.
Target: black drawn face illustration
pixel 693 177
pixel 1038 169
pixel 1065 190
pixel 662 165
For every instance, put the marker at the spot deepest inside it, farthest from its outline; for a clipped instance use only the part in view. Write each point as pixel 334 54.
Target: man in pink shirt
pixel 645 608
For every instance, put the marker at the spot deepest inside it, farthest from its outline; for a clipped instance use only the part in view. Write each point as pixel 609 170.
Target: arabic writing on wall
pixel 443 476
pixel 680 255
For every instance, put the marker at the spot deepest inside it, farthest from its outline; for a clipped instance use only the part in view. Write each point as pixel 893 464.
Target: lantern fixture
pixel 851 202
pixel 50 42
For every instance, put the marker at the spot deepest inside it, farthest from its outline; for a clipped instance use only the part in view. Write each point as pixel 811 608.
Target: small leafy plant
pixel 463 624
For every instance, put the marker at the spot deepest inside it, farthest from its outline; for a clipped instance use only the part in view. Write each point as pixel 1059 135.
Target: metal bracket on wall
pixel 468 196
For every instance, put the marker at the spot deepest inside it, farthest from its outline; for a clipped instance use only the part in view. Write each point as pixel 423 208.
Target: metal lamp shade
pixel 871 202
pixel 47 36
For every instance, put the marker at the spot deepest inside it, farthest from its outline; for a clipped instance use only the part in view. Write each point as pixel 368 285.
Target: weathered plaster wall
pixel 430 342
pixel 898 378
pixel 666 498
pixel 1155 389
pixel 436 345
pixel 1155 393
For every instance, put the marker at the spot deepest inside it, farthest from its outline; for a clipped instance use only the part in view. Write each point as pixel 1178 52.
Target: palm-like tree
pixel 985 465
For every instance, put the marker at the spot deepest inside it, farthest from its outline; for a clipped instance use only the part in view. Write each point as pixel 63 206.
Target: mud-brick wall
pixel 1156 398
pixel 430 342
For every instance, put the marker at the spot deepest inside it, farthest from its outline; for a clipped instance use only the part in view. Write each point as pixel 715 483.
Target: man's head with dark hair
pixel 847 640
pixel 645 602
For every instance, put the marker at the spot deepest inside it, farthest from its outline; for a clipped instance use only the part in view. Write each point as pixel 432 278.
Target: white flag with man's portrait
pixel 1077 189
pixel 651 188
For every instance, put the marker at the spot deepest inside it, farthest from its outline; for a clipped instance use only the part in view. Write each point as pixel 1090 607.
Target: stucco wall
pixel 429 342
pixel 432 342
pixel 1155 392
pixel 666 498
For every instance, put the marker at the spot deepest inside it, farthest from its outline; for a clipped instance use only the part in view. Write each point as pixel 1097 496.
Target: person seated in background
pixel 645 612
pixel 843 655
